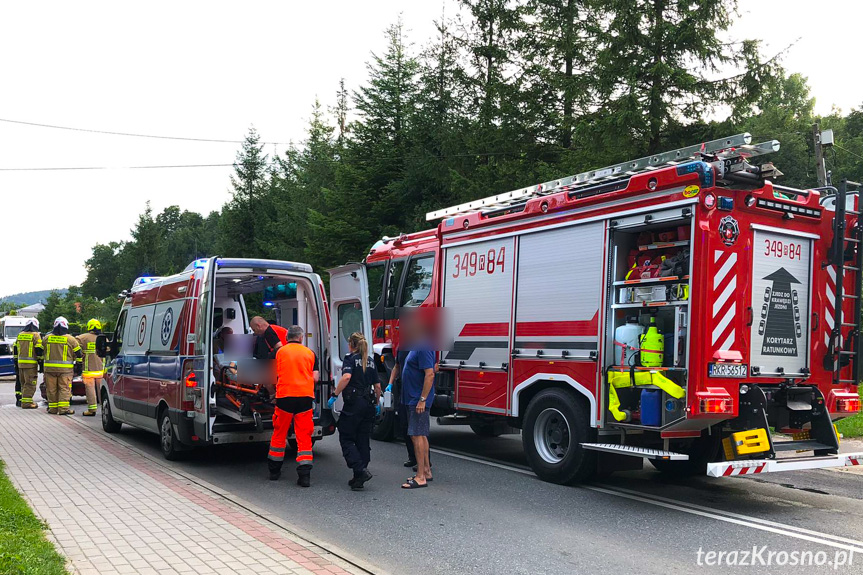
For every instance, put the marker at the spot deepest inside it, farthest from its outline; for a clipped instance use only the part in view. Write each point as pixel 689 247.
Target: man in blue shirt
pixel 418 395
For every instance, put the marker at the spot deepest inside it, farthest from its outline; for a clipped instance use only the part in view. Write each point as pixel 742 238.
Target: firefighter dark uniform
pixel 94 367
pixel 26 353
pixel 295 392
pixel 357 417
pixel 62 358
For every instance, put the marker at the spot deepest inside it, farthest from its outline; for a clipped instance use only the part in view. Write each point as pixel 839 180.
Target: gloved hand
pixel 377 409
pixel 389 388
pixel 331 402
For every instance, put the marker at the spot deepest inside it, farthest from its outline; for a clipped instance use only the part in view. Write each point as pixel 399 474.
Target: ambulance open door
pixel 349 311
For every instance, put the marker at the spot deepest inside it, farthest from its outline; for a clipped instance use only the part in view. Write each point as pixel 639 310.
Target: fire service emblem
pixel 728 230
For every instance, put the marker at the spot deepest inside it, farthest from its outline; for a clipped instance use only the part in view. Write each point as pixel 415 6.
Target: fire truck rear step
pixel 753 466
pixel 644 452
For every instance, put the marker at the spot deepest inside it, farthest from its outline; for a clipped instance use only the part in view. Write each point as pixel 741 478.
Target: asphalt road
pixel 486 514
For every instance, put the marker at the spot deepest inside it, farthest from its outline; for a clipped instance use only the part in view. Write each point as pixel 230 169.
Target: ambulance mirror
pixel 101 345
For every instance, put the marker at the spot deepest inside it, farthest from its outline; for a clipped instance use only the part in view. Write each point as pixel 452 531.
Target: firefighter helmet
pixel 62 322
pixel 94 324
pixel 33 321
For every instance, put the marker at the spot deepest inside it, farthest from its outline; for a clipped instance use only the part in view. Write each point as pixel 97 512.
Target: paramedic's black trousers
pixel 355 432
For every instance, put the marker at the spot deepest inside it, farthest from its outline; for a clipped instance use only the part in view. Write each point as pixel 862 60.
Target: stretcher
pixel 243 389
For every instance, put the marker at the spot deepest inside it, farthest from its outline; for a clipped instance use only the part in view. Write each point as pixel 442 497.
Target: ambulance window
pixel 118 332
pixel 418 281
pixel 218 318
pixel 350 321
pixel 396 267
pixel 375 273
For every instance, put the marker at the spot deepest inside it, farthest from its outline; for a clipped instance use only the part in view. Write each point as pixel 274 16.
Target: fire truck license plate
pixel 727 369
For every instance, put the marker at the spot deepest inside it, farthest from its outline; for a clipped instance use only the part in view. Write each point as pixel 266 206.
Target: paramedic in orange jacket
pixel 296 374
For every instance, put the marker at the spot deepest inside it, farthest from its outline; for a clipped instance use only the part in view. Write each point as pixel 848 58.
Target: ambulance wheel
pixel 109 424
pixel 701 451
pixel 486 429
pixel 167 438
pixel 556 423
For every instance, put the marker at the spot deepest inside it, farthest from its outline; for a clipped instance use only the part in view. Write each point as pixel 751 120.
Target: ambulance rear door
pixel 349 311
pixel 205 399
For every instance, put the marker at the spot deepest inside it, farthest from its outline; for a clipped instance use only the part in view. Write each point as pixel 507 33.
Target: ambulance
pixel 171 372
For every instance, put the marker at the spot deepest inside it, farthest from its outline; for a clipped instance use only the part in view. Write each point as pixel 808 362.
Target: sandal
pixel 412 484
pixel 414 477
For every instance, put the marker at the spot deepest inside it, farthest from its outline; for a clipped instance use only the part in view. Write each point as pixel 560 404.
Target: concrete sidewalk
pixel 112 510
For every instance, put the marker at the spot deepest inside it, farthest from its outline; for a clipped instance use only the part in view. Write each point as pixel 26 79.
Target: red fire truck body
pixel 725 283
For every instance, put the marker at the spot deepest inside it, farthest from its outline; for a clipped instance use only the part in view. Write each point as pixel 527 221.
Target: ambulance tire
pixel 168 441
pixel 701 451
pixel 109 424
pixel 556 423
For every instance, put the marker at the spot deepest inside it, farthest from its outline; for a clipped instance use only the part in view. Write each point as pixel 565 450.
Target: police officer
pixel 94 368
pixel 25 355
pixel 296 374
pixel 61 360
pixel 360 391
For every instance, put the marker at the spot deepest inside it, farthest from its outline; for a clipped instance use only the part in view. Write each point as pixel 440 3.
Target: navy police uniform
pixel 358 414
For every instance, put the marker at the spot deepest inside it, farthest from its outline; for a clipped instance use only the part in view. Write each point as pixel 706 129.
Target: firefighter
pixel 62 359
pixel 94 369
pixel 296 374
pixel 360 391
pixel 25 355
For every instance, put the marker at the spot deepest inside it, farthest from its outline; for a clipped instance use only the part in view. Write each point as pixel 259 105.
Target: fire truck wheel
pixel 555 424
pixel 486 429
pixel 385 426
pixel 109 424
pixel 167 438
pixel 701 451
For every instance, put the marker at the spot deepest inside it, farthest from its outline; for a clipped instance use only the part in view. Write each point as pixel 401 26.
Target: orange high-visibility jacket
pixel 295 366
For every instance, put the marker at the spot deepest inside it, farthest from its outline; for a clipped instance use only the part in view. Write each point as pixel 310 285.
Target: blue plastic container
pixel 651 407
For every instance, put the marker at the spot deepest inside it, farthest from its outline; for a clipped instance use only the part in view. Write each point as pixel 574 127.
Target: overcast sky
pixel 212 69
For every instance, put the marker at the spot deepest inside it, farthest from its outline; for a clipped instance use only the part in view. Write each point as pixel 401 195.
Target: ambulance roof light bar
pixel 739 145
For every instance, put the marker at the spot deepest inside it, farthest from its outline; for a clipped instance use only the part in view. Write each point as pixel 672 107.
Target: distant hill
pixel 30 297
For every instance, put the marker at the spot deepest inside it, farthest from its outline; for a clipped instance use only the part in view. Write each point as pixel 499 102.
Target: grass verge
pixel 23 547
pixel 851 426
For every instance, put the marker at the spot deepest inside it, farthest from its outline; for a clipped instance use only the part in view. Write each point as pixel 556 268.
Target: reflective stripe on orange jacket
pixel 295 366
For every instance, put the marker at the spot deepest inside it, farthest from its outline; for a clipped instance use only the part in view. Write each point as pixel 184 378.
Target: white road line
pixel 728 517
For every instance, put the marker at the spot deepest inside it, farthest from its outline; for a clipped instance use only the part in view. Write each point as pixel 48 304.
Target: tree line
pixel 506 94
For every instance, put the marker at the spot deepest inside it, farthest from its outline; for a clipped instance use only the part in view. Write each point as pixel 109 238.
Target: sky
pixel 213 69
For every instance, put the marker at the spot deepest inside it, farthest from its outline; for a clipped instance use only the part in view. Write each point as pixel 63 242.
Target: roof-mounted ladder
pixel 731 152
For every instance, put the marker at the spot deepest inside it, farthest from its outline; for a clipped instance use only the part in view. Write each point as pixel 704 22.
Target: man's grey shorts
pixel 418 423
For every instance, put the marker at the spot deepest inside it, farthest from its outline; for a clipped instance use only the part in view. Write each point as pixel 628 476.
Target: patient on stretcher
pixel 243 383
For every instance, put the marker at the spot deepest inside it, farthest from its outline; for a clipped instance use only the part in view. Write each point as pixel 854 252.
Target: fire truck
pixel 680 308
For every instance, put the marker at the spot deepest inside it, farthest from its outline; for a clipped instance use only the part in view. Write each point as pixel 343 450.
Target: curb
pixel 332 552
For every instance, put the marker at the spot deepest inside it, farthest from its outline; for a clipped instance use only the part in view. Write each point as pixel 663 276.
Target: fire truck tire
pixel 556 422
pixel 486 429
pixel 385 426
pixel 701 451
pixel 109 424
pixel 167 438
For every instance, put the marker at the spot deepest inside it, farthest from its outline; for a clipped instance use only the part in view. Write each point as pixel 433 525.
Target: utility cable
pixel 133 135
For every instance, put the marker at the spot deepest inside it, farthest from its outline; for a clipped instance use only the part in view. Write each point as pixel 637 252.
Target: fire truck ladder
pixel 728 155
pixel 846 259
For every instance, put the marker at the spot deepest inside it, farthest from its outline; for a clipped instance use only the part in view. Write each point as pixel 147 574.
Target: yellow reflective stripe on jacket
pixel 60 364
pixel 95 374
pixel 23 361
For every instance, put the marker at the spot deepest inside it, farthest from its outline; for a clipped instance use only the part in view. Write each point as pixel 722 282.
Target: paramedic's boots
pixel 358 482
pixel 274 475
pixel 304 476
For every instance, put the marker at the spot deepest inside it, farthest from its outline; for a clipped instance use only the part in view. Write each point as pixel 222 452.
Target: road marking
pixel 718 515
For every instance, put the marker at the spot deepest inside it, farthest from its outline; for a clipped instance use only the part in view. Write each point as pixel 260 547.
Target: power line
pixel 848 151
pixel 129 134
pixel 56 169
